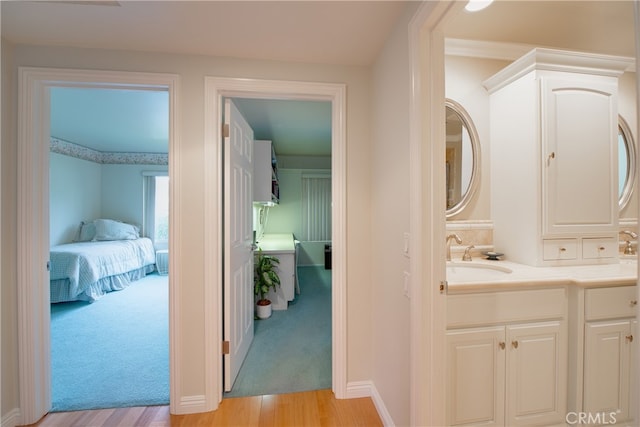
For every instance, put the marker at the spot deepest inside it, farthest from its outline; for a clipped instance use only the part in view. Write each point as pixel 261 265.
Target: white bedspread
pixel 87 262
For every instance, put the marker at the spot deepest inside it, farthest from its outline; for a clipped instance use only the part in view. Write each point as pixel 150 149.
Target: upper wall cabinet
pixel 554 157
pixel 266 189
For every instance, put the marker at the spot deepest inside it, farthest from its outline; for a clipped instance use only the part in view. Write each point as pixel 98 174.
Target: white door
pixel 238 241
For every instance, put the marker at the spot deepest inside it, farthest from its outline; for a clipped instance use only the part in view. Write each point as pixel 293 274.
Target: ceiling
pixel 327 32
pixel 605 26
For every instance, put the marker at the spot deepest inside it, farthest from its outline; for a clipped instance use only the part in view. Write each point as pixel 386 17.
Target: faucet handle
pixel 467 253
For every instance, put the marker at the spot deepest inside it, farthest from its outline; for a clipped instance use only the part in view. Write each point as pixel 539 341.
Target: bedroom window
pixel 156 225
pixel 316 207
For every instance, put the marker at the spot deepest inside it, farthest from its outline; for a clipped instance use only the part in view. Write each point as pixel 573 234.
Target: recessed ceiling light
pixel 476 5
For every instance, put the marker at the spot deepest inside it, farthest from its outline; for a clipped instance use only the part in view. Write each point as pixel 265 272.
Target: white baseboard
pixel 11 419
pixel 357 389
pixel 190 405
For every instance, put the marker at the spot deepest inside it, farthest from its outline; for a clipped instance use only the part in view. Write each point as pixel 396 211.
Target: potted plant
pixel 265 278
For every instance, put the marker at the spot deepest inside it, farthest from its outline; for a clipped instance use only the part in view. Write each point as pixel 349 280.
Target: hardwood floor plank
pixel 268 411
pixel 305 409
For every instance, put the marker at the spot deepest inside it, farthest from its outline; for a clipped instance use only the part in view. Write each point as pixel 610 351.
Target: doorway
pixel 108 159
pixel 291 350
pixel 215 90
pixel 33 215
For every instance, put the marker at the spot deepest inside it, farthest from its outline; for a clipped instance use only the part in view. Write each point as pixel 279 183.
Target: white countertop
pixel 281 243
pixel 524 276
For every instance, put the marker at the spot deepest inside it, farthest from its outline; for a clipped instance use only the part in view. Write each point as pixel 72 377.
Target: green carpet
pixel 291 351
pixel 112 353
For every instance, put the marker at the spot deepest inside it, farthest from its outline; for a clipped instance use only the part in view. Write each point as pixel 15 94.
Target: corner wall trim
pixel 359 389
pixel 11 419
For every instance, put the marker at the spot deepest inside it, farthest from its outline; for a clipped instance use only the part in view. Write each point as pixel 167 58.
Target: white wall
pixel 83 190
pixel 74 195
pixel 286 217
pixel 9 337
pixel 390 220
pixel 190 155
pixel 122 187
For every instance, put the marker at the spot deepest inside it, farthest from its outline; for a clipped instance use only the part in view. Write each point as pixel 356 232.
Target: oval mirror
pixel 626 162
pixel 462 158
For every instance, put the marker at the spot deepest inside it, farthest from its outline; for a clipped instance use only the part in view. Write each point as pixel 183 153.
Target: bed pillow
pixel 108 229
pixel 86 232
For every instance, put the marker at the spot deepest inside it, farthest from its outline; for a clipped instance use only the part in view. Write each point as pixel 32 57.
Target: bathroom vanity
pixel 528 345
pixel 547 335
pixel 283 247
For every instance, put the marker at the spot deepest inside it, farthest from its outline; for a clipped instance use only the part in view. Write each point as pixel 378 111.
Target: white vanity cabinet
pixel 507 358
pixel 553 139
pixel 609 325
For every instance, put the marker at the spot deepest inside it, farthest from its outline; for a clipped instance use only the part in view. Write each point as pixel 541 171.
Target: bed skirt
pixel 59 289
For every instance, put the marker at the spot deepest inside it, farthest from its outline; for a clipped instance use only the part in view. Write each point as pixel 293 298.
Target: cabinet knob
pixel 502 344
pixel 629 338
pixel 563 249
pixel 601 248
pixel 633 302
pixel 514 344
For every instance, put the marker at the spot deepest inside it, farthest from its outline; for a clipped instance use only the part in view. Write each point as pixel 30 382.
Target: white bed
pixel 87 270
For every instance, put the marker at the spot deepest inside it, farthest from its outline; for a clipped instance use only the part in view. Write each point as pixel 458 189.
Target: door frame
pixel 216 88
pixel 426 214
pixel 34 331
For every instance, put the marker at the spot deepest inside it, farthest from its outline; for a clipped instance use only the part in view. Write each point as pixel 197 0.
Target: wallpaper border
pixel 67 148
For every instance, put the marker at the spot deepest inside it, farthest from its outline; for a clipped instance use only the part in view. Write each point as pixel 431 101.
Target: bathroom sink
pixel 464 271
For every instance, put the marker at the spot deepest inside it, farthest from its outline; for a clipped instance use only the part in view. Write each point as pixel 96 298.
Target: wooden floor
pixel 313 408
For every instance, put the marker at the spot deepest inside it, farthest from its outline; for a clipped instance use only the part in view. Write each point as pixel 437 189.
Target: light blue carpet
pixel 114 352
pixel 291 351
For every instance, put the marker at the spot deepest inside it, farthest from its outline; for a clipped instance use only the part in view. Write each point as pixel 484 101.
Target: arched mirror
pixel 462 158
pixel 626 162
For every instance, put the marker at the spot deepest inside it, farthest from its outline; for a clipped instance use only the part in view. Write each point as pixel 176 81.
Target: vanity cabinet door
pixel 475 376
pixel 579 131
pixel 536 374
pixel 607 372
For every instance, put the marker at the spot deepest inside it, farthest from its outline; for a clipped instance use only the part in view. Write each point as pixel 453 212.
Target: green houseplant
pixel 265 278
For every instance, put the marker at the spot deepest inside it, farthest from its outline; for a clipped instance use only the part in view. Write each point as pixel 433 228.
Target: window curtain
pixel 316 207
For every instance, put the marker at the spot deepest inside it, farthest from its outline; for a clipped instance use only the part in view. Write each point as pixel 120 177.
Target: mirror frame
pixel 629 185
pixel 475 148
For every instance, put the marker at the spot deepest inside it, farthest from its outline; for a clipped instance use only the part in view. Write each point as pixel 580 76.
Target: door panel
pixel 238 242
pixel 475 376
pixel 536 369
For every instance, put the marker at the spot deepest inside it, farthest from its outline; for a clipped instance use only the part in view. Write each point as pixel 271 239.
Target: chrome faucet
pixel 628 249
pixel 467 253
pixel 448 243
